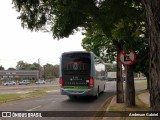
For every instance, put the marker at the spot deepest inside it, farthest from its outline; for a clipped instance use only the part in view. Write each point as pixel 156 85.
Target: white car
pixel 41 82
pixel 24 82
pixel 9 83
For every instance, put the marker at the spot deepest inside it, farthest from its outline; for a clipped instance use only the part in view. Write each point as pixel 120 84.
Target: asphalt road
pixel 57 102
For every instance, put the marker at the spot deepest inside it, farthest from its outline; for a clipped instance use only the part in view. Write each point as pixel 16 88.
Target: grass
pixel 39 91
pixel 33 94
pixel 12 97
pixel 41 88
pixel 9 97
pixel 140 106
pixel 141 84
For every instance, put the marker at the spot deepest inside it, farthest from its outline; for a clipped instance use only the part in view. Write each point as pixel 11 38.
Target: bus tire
pixel 97 94
pixel 72 97
pixel 104 88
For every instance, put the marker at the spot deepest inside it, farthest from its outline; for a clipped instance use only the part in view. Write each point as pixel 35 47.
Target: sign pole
pixel 125 82
pixel 128 59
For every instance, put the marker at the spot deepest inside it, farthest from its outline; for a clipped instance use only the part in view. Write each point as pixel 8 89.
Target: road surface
pixel 57 102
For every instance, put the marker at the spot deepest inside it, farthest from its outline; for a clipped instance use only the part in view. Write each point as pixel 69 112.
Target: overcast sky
pixel 17 43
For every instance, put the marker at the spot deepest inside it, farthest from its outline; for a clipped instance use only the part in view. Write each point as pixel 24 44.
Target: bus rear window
pixel 76 63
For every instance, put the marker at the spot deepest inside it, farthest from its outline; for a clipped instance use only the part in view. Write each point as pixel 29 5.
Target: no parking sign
pixel 127 59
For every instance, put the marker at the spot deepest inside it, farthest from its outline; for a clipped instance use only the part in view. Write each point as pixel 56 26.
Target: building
pixel 19 74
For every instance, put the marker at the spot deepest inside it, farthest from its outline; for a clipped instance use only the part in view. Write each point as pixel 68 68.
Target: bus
pixel 82 74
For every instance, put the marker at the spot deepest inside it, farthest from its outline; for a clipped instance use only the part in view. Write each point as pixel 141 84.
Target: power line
pixel 48 61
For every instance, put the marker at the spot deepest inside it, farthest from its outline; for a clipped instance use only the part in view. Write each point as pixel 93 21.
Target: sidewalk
pixel 143 97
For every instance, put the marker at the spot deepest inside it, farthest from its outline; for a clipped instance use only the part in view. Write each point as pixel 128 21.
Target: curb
pixel 140 97
pixel 102 109
pixel 111 118
pixel 106 104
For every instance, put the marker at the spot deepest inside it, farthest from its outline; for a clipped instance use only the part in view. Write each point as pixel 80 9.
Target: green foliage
pixel 50 71
pixel 1 67
pixel 59 16
pixel 32 13
pixel 98 43
pixel 26 66
pixel 63 17
pixel 107 23
pixel 11 68
pixel 8 97
pixel 111 68
pixel 69 15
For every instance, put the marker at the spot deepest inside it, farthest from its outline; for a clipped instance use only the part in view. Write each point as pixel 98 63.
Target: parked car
pixel 9 83
pixel 24 82
pixel 41 82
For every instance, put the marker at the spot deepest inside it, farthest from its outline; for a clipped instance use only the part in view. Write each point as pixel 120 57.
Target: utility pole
pixel 44 72
pixel 39 68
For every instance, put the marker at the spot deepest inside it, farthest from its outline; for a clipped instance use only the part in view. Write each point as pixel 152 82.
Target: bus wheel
pixel 72 97
pixel 97 94
pixel 104 88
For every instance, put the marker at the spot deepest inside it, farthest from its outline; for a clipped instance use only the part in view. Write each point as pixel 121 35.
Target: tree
pixel 152 8
pixel 21 65
pixel 60 15
pixel 142 64
pixel 11 68
pixel 26 66
pixel 34 66
pixel 97 42
pixel 112 67
pixel 1 67
pixel 50 71
pixel 56 71
pixel 63 17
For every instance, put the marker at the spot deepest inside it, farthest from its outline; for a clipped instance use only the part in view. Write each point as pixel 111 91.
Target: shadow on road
pixel 89 99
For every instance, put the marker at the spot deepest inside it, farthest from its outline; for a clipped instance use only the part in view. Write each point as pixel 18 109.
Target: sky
pixel 18 44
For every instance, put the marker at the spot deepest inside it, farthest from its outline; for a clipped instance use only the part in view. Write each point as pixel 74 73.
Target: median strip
pixel 27 93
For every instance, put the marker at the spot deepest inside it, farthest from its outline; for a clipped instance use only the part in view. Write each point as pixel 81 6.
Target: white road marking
pixel 53 91
pixel 23 92
pixel 33 108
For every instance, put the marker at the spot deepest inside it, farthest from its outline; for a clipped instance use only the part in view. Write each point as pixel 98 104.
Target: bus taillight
pixel 91 82
pixel 61 81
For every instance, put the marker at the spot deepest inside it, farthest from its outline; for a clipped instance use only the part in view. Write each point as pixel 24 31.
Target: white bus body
pixel 82 74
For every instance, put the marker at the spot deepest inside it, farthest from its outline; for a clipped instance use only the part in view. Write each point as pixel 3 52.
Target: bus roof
pixel 77 52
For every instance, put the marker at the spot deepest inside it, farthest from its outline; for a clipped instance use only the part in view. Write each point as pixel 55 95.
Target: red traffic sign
pixel 127 59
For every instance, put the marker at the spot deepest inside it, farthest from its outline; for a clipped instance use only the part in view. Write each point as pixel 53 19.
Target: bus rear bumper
pixel 86 92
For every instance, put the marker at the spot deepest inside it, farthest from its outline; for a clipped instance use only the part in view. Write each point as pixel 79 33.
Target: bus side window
pixel 100 71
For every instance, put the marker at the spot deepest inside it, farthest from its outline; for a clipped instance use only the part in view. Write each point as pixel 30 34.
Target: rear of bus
pixel 75 74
